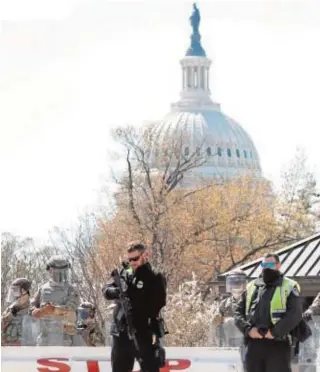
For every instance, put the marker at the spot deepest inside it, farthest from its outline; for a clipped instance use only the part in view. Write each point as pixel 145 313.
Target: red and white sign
pixel 77 359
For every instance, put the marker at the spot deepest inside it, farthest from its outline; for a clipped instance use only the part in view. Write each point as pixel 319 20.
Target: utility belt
pixel 159 329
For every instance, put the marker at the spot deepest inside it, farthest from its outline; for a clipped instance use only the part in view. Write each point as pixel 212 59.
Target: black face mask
pixel 270 275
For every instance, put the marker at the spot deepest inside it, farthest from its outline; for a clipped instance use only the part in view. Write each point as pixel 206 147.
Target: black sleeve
pixel 157 295
pixel 111 291
pixel 292 316
pixel 240 316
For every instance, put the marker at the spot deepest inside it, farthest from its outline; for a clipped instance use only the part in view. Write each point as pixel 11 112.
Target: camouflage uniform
pixel 57 326
pixel 88 327
pixel 13 315
pixel 227 307
pixel 92 335
pixel 223 318
pixel 314 309
pixel 228 333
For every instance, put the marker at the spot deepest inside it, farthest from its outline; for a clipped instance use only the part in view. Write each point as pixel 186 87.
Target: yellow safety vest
pixel 278 304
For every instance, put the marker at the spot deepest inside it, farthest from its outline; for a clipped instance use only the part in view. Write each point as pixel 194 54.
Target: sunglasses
pixel 269 265
pixel 134 259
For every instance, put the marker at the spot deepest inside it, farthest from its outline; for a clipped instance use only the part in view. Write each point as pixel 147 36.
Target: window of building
pixel 198 151
pixel 229 153
pixel 251 155
pixel 245 154
pixel 209 151
pixel 219 151
pixel 186 151
pixel 238 153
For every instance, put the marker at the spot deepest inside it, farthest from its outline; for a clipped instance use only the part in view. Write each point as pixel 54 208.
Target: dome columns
pixel 195 76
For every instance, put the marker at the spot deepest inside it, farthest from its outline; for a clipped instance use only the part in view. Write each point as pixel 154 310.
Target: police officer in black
pixel 145 289
pixel 268 311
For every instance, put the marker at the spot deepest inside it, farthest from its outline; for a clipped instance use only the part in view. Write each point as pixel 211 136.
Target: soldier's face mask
pixel 14 293
pixel 84 315
pixel 235 285
pixel 59 275
pixel 237 292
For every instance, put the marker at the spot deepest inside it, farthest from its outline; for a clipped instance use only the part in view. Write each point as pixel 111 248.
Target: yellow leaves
pixel 203 229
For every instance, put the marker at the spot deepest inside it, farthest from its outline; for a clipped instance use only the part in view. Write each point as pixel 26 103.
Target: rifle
pixel 126 308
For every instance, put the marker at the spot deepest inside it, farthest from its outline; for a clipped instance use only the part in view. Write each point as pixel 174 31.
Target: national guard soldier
pixel 224 317
pixel 267 313
pixel 145 290
pixel 310 350
pixel 314 309
pixel 88 326
pixel 55 304
pixel 12 317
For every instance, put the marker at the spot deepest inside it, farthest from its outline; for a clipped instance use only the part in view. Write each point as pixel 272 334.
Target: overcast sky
pixel 71 70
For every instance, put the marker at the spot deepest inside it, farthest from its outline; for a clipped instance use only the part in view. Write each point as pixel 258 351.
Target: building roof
pixel 299 260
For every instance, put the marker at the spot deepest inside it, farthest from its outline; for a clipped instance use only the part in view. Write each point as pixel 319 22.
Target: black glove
pixel 114 272
pixel 81 325
pixel 307 316
pixel 14 310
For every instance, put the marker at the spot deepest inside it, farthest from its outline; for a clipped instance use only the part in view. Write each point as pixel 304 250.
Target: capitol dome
pixel 228 149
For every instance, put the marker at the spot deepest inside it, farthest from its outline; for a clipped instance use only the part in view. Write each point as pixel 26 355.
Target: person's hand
pixel 36 313
pixel 154 339
pixel 217 319
pixel 14 309
pixel 307 316
pixel 48 309
pixel 254 333
pixel 269 335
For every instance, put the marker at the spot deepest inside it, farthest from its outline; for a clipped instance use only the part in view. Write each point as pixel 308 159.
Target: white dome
pixel 229 150
pixel 199 124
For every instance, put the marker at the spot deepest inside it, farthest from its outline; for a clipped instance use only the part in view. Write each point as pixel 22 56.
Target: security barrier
pixel 88 359
pixel 78 359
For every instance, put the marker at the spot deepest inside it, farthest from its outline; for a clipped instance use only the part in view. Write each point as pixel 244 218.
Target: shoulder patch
pixel 140 284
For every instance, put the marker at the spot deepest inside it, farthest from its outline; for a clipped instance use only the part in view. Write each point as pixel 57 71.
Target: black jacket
pixel 259 315
pixel 147 294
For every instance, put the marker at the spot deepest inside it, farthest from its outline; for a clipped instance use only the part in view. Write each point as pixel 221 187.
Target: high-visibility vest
pixel 278 304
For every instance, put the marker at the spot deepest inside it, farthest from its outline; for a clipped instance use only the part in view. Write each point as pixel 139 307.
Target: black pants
pixel 123 353
pixel 268 356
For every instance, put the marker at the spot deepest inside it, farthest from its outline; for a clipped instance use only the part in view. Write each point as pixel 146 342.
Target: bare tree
pixel 22 258
pixel 156 167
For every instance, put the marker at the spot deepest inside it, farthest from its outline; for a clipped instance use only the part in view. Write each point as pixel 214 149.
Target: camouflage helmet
pixel 87 305
pixel 58 262
pixel 237 272
pixel 236 281
pixel 22 283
